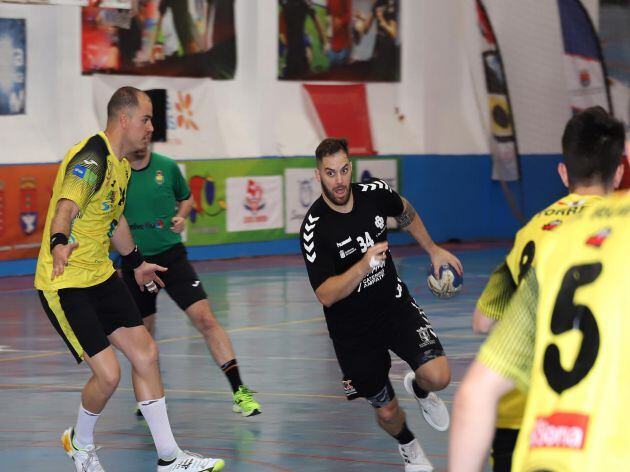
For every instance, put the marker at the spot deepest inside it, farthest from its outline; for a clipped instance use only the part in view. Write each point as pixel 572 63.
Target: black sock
pixel 230 369
pixel 418 391
pixel 405 436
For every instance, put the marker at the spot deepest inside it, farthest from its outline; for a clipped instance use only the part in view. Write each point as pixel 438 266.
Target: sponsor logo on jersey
pixel 569 210
pixel 560 430
pixel 343 254
pixel 551 225
pixel 90 162
pixel 597 239
pixel 379 222
pixel 79 171
pixel 159 177
pixel 344 242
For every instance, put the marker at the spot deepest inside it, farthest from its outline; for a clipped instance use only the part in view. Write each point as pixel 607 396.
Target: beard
pixel 333 198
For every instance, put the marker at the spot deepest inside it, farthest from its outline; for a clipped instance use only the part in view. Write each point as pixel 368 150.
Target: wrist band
pixel 58 238
pixel 134 259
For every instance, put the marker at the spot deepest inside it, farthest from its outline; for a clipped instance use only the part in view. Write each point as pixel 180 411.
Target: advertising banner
pixel 25 192
pixel 254 203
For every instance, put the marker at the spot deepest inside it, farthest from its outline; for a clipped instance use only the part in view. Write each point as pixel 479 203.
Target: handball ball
pixel 448 283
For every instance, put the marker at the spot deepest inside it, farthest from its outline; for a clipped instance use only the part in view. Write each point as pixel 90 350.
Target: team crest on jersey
pixel 551 225
pixel 379 222
pixel 425 336
pixel 597 239
pixel 559 430
pixel 159 177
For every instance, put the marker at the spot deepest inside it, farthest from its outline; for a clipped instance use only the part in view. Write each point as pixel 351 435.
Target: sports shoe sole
pixel 238 409
pixel 409 388
pixel 66 443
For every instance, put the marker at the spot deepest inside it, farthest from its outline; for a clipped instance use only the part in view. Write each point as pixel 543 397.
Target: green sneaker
pixel 244 402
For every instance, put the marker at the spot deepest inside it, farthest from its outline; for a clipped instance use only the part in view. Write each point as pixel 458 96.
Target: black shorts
pixel 503 446
pixel 180 280
pixel 84 317
pixel 406 331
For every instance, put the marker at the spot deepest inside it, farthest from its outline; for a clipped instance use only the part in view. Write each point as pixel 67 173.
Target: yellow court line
pixel 190 392
pixel 170 340
pixel 33 356
pixel 246 328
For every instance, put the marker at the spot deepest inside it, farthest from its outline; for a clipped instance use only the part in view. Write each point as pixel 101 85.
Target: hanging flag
pixel 503 146
pixel 584 66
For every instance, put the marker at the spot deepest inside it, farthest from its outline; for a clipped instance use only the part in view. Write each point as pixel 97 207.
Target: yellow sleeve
pixel 83 177
pixel 509 350
pixel 497 294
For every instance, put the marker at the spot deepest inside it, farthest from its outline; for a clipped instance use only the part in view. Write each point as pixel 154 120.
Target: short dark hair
pixel 592 146
pixel 124 97
pixel 330 146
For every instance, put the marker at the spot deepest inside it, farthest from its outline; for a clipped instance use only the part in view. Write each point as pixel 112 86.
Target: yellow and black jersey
pixel 504 280
pixel 96 180
pixel 573 308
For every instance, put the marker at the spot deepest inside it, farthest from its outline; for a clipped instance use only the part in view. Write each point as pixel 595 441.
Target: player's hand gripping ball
pixel 448 283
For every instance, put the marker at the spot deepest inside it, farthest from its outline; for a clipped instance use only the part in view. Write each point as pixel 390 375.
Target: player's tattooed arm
pixel 407 216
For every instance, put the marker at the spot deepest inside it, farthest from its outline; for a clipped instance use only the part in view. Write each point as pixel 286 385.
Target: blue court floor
pixel 280 338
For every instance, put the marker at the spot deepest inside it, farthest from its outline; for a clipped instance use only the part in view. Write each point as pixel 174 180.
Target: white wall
pixel 441 94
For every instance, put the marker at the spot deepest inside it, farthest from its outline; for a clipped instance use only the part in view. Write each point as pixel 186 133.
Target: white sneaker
pixel 414 458
pixel 190 462
pixel 433 408
pixel 85 459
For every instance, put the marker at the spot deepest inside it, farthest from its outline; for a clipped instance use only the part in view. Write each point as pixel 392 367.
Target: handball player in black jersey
pixel 368 309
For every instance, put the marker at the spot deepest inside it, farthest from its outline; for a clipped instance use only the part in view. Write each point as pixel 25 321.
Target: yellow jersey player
pixel 560 340
pixel 84 299
pixel 589 172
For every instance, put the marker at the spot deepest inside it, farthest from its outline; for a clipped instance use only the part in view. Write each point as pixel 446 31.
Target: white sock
pixel 84 429
pixel 154 412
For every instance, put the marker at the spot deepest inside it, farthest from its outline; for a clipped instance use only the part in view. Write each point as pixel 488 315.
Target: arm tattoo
pixel 407 216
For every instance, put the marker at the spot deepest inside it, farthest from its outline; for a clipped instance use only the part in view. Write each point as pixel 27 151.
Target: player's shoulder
pixel 163 161
pixel 372 186
pixel 313 217
pixel 92 151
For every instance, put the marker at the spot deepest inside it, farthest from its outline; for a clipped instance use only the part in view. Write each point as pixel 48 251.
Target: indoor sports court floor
pixel 282 345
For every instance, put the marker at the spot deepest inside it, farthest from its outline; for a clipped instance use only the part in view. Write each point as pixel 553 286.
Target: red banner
pixel 25 192
pixel 342 111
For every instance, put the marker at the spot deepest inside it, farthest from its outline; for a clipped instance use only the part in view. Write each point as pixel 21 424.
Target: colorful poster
pixel 174 38
pixel 208 223
pixel 339 40
pixel 254 203
pixel 301 191
pixel 12 66
pixel 25 192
